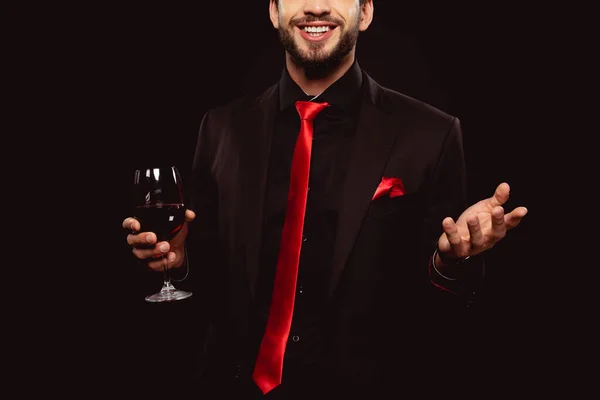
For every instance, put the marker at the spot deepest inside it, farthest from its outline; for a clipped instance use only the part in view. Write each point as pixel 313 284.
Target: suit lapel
pixel 374 141
pixel 257 139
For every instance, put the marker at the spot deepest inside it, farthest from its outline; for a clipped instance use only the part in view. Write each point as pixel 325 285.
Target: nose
pixel 317 7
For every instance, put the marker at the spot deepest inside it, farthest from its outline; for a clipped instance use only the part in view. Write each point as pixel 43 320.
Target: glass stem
pixel 166 278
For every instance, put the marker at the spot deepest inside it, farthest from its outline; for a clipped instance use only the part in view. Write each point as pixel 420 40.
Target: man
pixel 328 235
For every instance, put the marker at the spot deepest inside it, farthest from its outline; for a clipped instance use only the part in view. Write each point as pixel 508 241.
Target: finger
pixel 144 254
pixel 500 195
pixel 514 217
pixel 189 215
pixel 161 263
pixel 498 226
pixel 476 235
pixel 174 259
pixel 443 243
pixel 157 251
pixel 132 224
pixel 143 239
pixel 452 234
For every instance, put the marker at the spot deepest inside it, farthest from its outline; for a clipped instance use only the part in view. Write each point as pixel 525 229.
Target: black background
pixel 119 86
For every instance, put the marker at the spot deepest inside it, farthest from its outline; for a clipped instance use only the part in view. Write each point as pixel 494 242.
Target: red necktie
pixel 269 363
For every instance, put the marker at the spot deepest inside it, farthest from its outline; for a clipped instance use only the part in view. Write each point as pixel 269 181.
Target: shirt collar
pixel 343 93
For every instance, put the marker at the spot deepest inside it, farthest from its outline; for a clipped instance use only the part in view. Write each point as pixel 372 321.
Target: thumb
pixel 189 215
pixel 500 195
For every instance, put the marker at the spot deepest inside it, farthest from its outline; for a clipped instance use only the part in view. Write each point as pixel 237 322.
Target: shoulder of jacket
pixel 393 101
pixel 243 102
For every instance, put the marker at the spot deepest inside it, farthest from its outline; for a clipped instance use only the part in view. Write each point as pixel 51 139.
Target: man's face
pixel 318 33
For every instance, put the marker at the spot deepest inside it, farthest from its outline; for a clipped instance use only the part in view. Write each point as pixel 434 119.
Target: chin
pixel 318 58
pixel 322 54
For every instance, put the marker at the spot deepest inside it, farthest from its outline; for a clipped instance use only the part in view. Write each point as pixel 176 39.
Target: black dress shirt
pixel 334 130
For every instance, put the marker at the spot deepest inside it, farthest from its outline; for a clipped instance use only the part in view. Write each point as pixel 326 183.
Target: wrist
pixel 450 268
pixel 445 259
pixel 446 271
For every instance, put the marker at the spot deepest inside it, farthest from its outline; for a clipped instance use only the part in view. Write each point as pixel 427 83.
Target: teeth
pixel 316 29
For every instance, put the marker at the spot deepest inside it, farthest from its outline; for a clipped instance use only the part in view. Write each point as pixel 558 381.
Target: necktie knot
pixel 308 110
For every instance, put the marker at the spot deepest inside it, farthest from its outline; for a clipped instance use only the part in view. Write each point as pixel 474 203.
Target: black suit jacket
pixel 385 318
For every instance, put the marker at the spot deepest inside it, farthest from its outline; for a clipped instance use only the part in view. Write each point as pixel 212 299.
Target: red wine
pixel 164 220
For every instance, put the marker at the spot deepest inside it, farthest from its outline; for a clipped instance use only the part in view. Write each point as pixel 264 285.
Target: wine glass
pixel 159 206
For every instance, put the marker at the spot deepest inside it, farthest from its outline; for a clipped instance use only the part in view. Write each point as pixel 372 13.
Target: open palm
pixel 480 226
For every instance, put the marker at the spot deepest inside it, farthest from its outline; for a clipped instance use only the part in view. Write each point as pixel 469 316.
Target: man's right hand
pixel 145 247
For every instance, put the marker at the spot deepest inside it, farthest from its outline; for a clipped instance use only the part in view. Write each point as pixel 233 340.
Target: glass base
pixel 168 293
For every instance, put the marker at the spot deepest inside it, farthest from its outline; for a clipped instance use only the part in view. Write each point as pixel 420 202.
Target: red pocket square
pixel 392 186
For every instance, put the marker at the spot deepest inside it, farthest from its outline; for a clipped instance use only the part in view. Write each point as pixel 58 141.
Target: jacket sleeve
pixel 447 197
pixel 203 245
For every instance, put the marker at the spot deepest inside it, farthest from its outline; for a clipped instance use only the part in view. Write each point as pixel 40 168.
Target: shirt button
pixel 295 338
pixel 300 289
pixel 304 238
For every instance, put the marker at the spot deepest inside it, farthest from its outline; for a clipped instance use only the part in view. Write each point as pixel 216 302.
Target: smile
pixel 315 32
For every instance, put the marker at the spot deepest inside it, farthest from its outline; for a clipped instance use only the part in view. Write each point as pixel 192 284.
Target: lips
pixel 315 32
pixel 316 24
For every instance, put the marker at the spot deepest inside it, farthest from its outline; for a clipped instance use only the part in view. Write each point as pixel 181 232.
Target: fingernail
pixel 149 239
pixel 171 257
pixel 164 248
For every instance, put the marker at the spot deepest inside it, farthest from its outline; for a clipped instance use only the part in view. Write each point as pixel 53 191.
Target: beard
pixel 316 62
